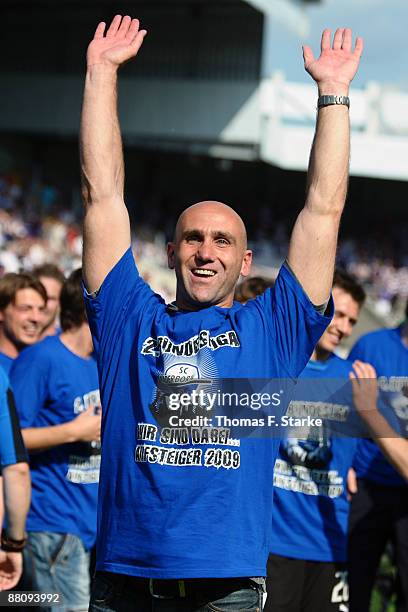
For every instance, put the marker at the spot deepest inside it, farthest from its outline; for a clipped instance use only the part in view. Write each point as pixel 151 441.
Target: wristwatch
pixel 332 100
pixel 10 545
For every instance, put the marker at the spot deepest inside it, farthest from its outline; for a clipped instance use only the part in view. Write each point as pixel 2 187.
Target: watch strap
pixel 332 100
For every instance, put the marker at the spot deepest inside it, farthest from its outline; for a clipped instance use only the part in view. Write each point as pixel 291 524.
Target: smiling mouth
pixel 31 329
pixel 203 273
pixel 335 338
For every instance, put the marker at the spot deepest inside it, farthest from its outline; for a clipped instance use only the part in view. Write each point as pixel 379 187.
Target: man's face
pixel 53 289
pixel 23 319
pixel 346 312
pixel 208 255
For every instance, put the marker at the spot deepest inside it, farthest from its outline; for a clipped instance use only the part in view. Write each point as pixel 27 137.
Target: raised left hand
pixel 337 65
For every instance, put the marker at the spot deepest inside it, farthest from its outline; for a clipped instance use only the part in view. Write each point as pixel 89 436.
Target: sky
pixel 382 24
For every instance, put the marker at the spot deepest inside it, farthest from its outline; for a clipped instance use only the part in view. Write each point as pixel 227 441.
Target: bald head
pixel 208 254
pixel 211 209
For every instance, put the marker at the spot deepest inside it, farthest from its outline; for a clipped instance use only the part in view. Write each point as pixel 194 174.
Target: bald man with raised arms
pixel 184 525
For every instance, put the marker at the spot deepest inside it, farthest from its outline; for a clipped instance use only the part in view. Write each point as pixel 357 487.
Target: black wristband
pixel 10 545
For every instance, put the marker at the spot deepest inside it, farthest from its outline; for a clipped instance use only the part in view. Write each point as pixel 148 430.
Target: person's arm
pixel 30 377
pixel 16 487
pixel 313 243
pixel 1 501
pixel 17 496
pixel 365 396
pixel 85 427
pixel 106 220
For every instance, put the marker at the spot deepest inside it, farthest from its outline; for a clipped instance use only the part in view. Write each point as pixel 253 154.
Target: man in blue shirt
pixel 17 489
pixel 307 568
pixel 184 512
pixel 22 306
pixel 379 509
pixel 57 396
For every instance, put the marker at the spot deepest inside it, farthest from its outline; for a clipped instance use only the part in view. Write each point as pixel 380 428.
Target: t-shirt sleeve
pixel 107 311
pixel 12 448
pixel 29 380
pixel 295 322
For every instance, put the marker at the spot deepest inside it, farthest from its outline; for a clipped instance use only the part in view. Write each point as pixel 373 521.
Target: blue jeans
pixel 58 563
pixel 117 593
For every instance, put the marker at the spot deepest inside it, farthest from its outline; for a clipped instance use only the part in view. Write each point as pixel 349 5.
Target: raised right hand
pixel 337 65
pixel 121 42
pixel 87 426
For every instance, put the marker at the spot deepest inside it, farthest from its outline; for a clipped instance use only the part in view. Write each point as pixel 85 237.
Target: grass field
pixel 385 582
pixel 378 606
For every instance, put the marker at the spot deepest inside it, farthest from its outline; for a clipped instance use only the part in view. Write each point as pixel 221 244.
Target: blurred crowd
pixel 37 225
pixel 380 268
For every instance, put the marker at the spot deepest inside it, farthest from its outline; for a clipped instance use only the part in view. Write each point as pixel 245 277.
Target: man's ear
pixel 170 255
pixel 246 263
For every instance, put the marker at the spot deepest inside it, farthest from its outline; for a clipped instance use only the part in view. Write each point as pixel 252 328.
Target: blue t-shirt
pixel 53 385
pixel 11 444
pixel 385 350
pixel 6 362
pixel 178 507
pixel 310 511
